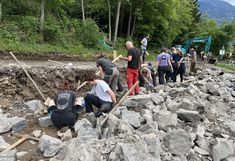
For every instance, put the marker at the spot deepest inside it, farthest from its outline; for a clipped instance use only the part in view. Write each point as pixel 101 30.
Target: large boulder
pixel 9 155
pixel 156 98
pixel 131 117
pixel 134 101
pixel 212 88
pixel 18 123
pixel 222 149
pixel 166 120
pixel 3 144
pixel 178 142
pixel 188 116
pixel 5 125
pixel 35 105
pixel 186 104
pixel 85 130
pixel 49 145
pixel 172 105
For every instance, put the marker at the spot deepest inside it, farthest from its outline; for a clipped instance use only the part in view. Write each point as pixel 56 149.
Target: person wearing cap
pixel 64 109
pixel 193 56
pixel 164 66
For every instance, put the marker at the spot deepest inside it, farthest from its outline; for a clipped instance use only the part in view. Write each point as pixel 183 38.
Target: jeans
pixel 103 106
pixel 143 54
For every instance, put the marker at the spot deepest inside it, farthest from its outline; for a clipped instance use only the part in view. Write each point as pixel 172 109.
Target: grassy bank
pixel 227 67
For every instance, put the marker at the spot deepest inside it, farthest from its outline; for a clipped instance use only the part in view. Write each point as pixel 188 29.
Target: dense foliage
pixel 75 26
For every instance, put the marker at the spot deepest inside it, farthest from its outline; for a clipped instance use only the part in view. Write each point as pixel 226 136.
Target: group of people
pixel 65 108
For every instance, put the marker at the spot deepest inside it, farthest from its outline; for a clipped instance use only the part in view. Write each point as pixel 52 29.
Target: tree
pixel 117 22
pixel 110 20
pixel 83 12
pixel 42 17
pixel 0 11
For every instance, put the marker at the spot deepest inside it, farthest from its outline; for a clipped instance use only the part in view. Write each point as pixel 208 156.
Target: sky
pixel 231 2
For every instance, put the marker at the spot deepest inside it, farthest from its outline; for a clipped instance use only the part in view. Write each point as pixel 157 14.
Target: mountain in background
pixel 218 9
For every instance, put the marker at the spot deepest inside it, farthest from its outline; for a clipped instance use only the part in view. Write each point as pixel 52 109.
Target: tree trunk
pixel 117 22
pixel 42 18
pixel 122 13
pixel 0 11
pixel 110 23
pixel 83 13
pixel 129 22
pixel 133 28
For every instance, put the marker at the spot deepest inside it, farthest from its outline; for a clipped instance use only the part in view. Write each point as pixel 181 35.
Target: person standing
pixel 108 71
pixel 100 96
pixel 134 60
pixel 178 62
pixel 164 66
pixel 193 55
pixel 144 43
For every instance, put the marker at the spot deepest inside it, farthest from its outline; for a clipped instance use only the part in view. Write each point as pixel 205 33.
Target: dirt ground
pixel 51 77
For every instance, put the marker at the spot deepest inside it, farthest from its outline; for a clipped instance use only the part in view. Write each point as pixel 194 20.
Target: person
pixel 193 55
pixel 147 75
pixel 144 43
pixel 178 63
pixel 64 109
pixel 100 96
pixel 164 66
pixel 108 71
pixel 134 60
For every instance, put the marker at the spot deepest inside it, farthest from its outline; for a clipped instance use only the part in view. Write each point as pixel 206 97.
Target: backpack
pixel 65 101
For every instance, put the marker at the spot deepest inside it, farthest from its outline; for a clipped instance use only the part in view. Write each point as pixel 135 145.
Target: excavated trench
pixel 51 77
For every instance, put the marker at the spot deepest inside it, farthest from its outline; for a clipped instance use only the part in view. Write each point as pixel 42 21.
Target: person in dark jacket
pixel 64 109
pixel 178 62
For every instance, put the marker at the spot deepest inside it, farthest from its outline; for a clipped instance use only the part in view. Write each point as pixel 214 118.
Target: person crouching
pixel 100 96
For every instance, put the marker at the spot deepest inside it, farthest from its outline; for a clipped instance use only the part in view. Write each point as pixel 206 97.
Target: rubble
pixel 189 121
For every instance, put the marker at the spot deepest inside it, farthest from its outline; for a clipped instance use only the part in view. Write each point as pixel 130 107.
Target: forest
pixel 76 26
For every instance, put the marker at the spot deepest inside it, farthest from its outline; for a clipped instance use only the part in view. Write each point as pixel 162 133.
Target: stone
pixel 37 133
pixel 130 104
pixel 3 144
pixel 172 105
pixel 186 104
pixel 135 152
pixel 49 145
pixel 85 130
pixel 9 155
pixel 118 111
pixel 147 115
pixel 91 117
pixel 18 123
pixel 232 105
pixel 35 105
pixel 230 126
pixel 45 121
pixel 136 100
pixel 131 117
pixel 212 88
pixel 5 125
pixel 153 145
pixel 178 142
pixel 166 121
pixel 222 149
pixel 21 154
pixel 156 98
pixel 232 158
pixel 146 127
pixel 67 135
pixel 188 116
pixel 200 151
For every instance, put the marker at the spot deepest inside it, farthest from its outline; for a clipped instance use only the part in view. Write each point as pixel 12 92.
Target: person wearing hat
pixel 64 109
pixel 164 66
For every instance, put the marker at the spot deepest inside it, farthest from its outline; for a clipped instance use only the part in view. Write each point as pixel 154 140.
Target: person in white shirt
pixel 100 96
pixel 144 43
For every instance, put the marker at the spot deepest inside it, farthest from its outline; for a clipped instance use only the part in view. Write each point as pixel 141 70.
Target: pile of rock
pixel 192 121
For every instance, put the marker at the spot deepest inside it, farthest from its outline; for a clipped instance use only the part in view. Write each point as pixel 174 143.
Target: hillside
pixel 218 10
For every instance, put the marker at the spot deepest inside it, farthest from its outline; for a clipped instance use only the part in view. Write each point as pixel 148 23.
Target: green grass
pixel 226 67
pixel 85 53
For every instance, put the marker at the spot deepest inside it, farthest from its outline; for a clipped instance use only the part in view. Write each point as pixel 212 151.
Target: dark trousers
pixel 103 106
pixel 119 85
pixel 143 54
pixel 163 73
pixel 178 69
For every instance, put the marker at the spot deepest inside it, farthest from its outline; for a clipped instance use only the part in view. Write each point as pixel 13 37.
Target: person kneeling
pixel 64 109
pixel 100 96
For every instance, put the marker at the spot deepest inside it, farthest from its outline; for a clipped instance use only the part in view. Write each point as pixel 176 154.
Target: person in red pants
pixel 134 60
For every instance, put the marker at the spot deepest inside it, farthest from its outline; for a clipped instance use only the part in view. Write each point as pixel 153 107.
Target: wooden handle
pixel 117 105
pixel 25 137
pixel 83 84
pixel 28 76
pixel 117 58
